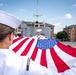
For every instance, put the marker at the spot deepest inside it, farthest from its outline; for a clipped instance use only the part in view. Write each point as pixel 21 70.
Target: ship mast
pixel 37 15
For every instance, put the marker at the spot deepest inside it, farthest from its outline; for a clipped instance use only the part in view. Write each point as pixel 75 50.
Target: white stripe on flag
pixel 38 56
pixel 50 62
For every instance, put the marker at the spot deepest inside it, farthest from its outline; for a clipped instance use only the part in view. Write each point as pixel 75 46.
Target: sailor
pixel 19 34
pixel 12 64
pixel 39 34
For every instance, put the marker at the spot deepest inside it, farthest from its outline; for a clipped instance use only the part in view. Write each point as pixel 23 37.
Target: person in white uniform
pixel 39 35
pixel 17 35
pixel 12 64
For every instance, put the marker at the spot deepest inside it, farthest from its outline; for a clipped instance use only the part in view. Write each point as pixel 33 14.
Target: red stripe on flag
pixel 34 53
pixel 69 50
pixel 59 63
pixel 27 48
pixel 20 44
pixel 43 60
pixel 15 40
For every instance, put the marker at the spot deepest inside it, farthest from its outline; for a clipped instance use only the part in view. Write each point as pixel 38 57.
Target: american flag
pixel 48 52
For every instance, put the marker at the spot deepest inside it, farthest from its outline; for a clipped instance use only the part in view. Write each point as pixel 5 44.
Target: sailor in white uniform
pixel 12 64
pixel 39 35
pixel 17 35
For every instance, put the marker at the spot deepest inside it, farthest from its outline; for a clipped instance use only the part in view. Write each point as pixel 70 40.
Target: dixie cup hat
pixel 38 30
pixel 9 20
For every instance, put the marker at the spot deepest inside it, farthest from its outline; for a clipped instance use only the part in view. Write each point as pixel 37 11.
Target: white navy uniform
pixel 39 37
pixel 11 64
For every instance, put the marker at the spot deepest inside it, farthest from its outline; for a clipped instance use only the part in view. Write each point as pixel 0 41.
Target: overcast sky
pixel 57 12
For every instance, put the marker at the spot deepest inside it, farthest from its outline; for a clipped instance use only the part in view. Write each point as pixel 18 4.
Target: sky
pixel 59 13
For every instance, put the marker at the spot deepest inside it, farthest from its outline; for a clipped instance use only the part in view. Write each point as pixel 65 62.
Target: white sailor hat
pixel 18 32
pixel 9 20
pixel 38 30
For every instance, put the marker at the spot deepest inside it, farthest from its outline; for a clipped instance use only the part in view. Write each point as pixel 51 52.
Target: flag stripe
pixel 43 60
pixel 67 49
pixel 38 56
pixel 57 60
pixel 16 39
pixel 50 62
pixel 34 53
pixel 19 45
pixel 27 48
